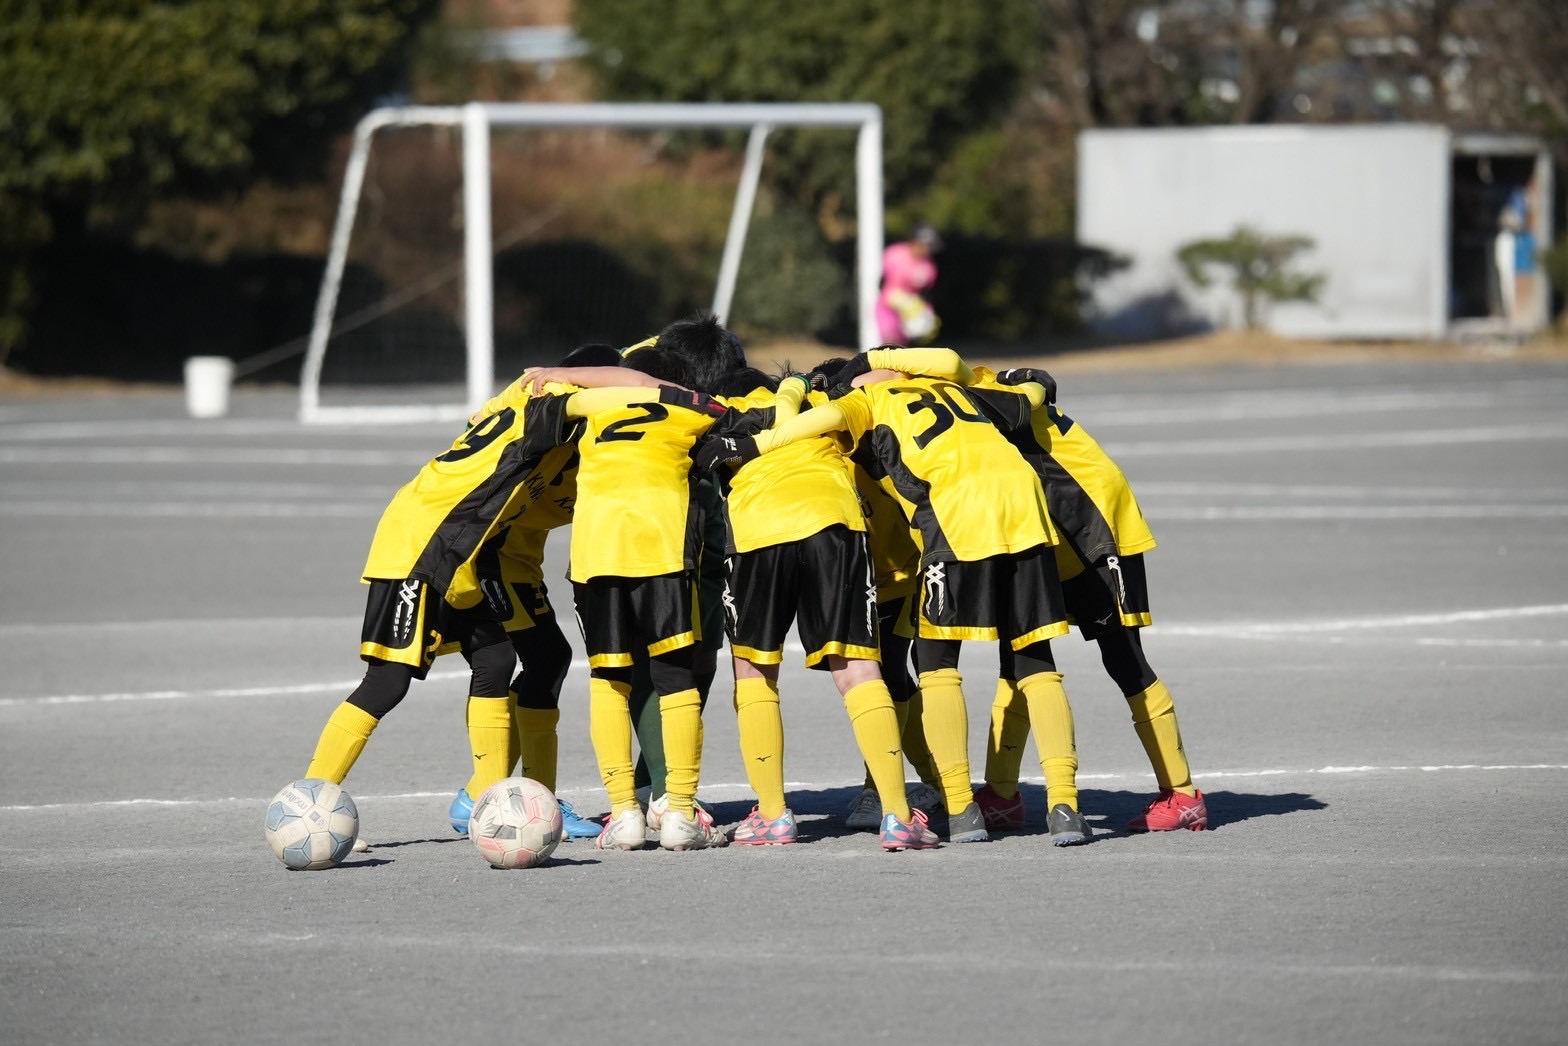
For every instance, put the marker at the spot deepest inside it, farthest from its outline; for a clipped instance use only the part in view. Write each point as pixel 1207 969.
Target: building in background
pixel 1421 232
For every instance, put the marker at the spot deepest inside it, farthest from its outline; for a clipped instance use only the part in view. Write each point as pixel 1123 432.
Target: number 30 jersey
pixel 634 514
pixel 965 488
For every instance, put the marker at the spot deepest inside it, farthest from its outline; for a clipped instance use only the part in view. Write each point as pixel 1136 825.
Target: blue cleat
pixel 574 826
pixel 461 810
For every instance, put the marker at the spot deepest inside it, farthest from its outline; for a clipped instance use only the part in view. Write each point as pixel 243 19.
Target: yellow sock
pixel 1052 719
pixel 490 741
pixel 341 741
pixel 680 714
pixel 1009 730
pixel 610 729
pixel 901 713
pixel 761 742
pixel 871 715
pixel 946 721
pixel 537 743
pixel 1154 717
pixel 914 737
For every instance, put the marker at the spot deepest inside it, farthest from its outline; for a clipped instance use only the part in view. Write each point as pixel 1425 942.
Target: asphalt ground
pixel 1360 600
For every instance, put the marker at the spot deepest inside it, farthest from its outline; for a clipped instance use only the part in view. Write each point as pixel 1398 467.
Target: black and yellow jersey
pixel 793 493
pixel 894 547
pixel 436 523
pixel 634 488
pixel 1091 502
pixel 965 488
pixel 548 505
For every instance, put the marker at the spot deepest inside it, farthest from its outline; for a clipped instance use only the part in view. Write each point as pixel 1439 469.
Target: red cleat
pixel 1170 811
pixel 1001 815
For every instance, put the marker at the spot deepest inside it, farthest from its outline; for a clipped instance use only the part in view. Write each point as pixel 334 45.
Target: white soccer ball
pixel 311 824
pixel 516 823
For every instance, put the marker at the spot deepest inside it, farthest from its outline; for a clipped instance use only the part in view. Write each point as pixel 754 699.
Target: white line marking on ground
pixel 193 510
pixel 1314 513
pixel 741 790
pixel 410 459
pixel 1253 444
pixel 1377 494
pixel 1457 617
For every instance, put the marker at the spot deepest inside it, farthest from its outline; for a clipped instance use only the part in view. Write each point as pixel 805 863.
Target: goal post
pixel 475 121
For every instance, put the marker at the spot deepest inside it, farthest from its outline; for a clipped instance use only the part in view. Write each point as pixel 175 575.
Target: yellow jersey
pixel 437 522
pixel 797 491
pixel 963 486
pixel 633 484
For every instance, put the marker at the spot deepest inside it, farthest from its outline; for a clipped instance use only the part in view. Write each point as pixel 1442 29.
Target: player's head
pixel 708 347
pixel 594 354
pixel 825 374
pixel 743 382
pixel 657 363
pixel 926 238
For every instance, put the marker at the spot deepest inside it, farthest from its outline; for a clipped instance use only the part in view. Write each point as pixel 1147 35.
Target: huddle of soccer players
pixel 1011 519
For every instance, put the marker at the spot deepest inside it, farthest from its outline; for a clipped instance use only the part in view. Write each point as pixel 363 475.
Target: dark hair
pixel 656 363
pixel 708 348
pixel 594 354
pixel 823 374
pixel 744 381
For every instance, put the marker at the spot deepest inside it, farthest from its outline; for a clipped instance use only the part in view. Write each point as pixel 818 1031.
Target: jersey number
pixel 626 427
pixel 944 406
pixel 480 435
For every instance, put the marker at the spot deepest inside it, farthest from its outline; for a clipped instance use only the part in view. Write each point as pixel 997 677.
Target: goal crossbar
pixel 477 118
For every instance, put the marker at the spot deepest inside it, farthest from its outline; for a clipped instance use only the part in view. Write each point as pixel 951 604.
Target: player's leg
pixel 1179 803
pixel 1036 612
pixel 896 633
pixel 662 612
pixel 396 641
pixel 492 740
pixel 999 799
pixel 759 597
pixel 604 614
pixel 945 718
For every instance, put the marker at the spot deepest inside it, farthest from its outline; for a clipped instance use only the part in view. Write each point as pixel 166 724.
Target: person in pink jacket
pixel 904 317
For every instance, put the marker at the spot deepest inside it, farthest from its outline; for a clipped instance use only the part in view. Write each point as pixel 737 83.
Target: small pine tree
pixel 1259 266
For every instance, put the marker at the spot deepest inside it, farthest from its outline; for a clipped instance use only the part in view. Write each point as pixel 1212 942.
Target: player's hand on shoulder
pixel 731 452
pixel 1019 375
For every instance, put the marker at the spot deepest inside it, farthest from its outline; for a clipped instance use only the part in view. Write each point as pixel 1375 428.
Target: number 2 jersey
pixel 635 516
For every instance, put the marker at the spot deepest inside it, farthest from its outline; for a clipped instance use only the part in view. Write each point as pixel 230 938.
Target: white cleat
pixel 657 807
pixel 627 830
pixel 360 846
pixel 679 832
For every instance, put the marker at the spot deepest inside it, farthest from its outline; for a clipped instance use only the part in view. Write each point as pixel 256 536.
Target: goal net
pixel 474 241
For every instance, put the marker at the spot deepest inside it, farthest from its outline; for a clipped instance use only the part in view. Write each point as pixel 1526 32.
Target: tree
pixel 940 70
pixel 1259 267
pixel 106 105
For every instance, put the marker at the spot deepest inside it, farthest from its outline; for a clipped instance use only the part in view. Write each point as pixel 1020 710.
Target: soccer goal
pixel 406 318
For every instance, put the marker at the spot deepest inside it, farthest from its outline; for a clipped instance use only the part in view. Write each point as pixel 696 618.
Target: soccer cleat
pixel 460 811
pixel 924 796
pixel 679 832
pixel 1001 815
pixel 1169 811
pixel 627 830
pixel 1068 828
pixel 865 811
pixel 756 830
pixel 911 835
pixel 573 824
pixel 360 846
pixel 967 826
pixel 657 807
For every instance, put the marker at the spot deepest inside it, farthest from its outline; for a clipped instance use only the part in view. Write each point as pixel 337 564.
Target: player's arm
pixel 1009 406
pixel 928 363
pixel 786 402
pixel 591 378
pixel 735 451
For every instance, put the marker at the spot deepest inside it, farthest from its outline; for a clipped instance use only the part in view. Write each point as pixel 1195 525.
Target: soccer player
pixel 1100 559
pixel 633 549
pixel 798 554
pixel 986 564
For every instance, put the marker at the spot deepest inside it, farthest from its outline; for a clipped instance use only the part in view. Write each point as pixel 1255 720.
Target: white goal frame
pixel 477 118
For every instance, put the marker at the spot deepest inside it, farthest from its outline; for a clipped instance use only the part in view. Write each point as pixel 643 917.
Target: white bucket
pixel 207 380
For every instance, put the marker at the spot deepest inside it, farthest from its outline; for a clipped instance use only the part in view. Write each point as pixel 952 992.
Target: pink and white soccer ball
pixel 516 823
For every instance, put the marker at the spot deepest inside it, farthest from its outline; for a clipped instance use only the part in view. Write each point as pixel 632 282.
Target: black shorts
pixel 823 582
pixel 1113 593
pixel 1014 597
pixel 621 616
pixel 513 591
pixel 407 624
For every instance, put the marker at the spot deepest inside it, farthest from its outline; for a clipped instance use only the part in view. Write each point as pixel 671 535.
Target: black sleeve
pixel 1007 410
